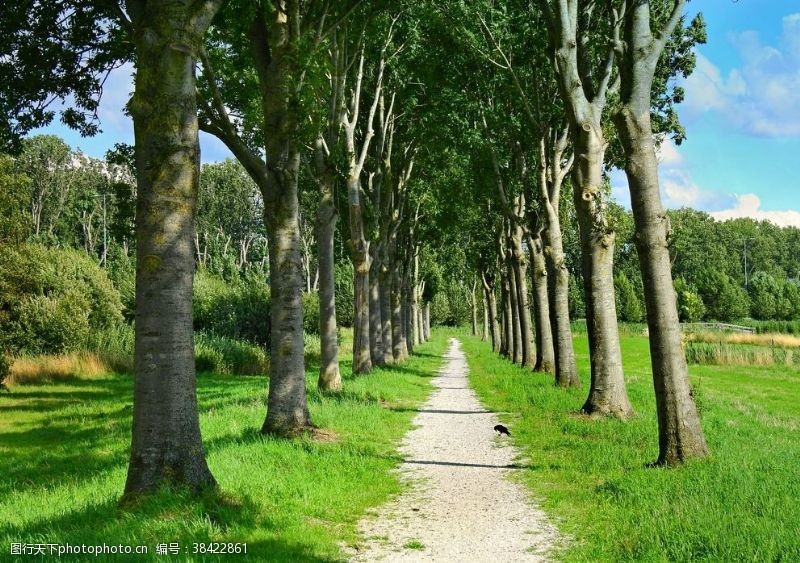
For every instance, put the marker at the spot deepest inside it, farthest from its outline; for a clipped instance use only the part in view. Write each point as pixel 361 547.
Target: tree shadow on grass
pixel 168 516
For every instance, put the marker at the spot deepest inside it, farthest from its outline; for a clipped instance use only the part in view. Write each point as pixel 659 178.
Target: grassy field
pixel 64 447
pixel 591 476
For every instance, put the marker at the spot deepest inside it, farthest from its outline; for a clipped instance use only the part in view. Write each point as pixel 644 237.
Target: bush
pixel 768 299
pixel 311 313
pixel 50 297
pixel 5 367
pixel 345 307
pixel 215 354
pixel 724 299
pixel 122 271
pixel 238 310
pixel 629 306
pixel 690 305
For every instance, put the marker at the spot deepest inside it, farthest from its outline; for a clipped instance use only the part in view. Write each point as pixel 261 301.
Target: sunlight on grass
pixel 64 448
pixel 591 476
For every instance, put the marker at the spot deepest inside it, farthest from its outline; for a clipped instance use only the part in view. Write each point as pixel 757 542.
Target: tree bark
pixel 516 333
pixel 607 393
pixel 519 264
pixel 545 356
pixel 485 331
pixel 680 434
pixel 399 349
pixel 428 320
pixel 375 321
pixel 166 446
pixel 489 291
pixel 551 176
pixel 329 377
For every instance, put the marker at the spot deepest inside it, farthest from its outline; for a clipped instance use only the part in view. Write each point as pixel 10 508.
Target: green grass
pixel 741 504
pixel 64 448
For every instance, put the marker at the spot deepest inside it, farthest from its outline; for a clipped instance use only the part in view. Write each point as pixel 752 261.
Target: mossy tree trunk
pixel 166 446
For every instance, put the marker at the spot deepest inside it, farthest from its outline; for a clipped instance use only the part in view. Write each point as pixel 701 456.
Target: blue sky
pixel 742 115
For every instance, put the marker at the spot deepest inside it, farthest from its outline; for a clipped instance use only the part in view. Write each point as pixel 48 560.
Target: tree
pixel 166 445
pixel 639 49
pixel 584 73
pixel 84 40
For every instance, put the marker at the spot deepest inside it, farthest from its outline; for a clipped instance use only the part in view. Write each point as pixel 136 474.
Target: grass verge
pixel 64 447
pixel 591 476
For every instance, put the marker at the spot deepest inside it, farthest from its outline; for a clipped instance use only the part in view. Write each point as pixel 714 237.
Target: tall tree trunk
pixel 485 327
pixel 680 435
pixel 408 311
pixel 329 377
pixel 551 178
pixel 519 263
pixel 607 393
pixel 506 336
pixel 399 349
pixel 412 291
pixel 489 292
pixel 359 251
pixel 375 324
pixel 513 303
pixel 287 409
pixel 166 446
pixel 473 305
pixel 428 320
pixel 385 287
pixel 545 357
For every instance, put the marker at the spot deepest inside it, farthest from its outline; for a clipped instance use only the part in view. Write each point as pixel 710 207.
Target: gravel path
pixel 461 505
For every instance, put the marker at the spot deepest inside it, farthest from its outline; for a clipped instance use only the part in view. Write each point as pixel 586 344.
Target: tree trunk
pixel 385 288
pixel 489 291
pixel 408 311
pixel 558 298
pixel 607 393
pixel 375 324
pixel 506 338
pixel 399 349
pixel 329 377
pixel 166 446
pixel 516 333
pixel 473 304
pixel 428 320
pixel 679 430
pixel 545 357
pixel 287 409
pixel 520 267
pixel 485 331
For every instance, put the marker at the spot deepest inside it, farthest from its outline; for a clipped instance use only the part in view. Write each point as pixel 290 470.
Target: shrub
pixel 629 306
pixel 690 305
pixel 122 271
pixel 724 299
pixel 311 312
pixel 345 307
pixel 226 356
pixel 50 297
pixel 5 367
pixel 239 310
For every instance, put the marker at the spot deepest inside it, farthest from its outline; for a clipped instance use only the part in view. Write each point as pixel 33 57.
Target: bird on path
pixel 500 429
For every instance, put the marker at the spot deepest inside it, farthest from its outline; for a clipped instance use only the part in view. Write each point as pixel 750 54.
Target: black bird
pixel 500 429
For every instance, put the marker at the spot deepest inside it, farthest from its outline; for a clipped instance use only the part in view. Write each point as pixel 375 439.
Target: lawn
pixel 591 476
pixel 64 447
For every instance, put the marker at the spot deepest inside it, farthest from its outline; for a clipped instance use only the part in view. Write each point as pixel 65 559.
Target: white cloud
pixel 749 205
pixel 761 98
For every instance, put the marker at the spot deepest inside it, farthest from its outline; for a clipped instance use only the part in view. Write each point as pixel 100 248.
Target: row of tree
pixel 447 132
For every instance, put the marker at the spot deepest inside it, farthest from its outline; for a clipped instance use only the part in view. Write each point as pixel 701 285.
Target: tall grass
pixel 592 476
pixel 764 339
pixel 731 354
